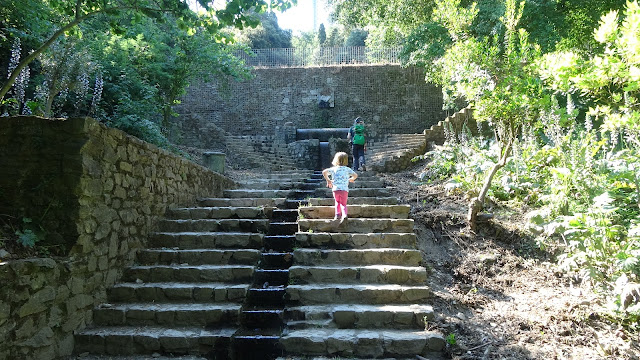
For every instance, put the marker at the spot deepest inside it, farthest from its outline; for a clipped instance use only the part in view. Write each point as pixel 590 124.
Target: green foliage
pixel 597 245
pixel 451 339
pixel 425 44
pixel 142 128
pixel 610 79
pixel 389 21
pixel 356 37
pixel 267 35
pixel 322 35
pixel 136 73
pixel 564 24
pixel 459 165
pixel 28 234
pixel 67 15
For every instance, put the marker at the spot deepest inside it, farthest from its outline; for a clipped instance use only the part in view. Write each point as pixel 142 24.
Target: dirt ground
pixel 498 294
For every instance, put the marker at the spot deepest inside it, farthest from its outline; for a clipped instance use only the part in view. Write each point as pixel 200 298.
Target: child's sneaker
pixel 343 219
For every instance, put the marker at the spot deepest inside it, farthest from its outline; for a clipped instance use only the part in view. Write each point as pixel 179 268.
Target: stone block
pixel 119 344
pixel 109 316
pixel 403 344
pixel 148 342
pixel 5 312
pixel 306 342
pixel 37 302
pixel 214 161
pixel 64 345
pixel 178 341
pixel 436 342
pixel 43 337
pixel 369 344
pixel 344 319
pixel 340 343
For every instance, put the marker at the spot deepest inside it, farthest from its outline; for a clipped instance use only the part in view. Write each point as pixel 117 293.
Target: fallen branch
pixel 481 345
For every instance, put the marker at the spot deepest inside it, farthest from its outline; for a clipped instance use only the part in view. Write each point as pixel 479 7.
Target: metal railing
pixel 324 56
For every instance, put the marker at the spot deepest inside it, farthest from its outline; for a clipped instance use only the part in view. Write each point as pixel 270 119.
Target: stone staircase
pixel 358 289
pixel 395 152
pixel 263 272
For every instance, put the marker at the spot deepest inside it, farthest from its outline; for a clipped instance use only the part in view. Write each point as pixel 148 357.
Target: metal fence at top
pixel 324 56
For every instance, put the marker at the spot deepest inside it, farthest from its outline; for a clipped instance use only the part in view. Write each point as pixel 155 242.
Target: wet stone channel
pixel 262 318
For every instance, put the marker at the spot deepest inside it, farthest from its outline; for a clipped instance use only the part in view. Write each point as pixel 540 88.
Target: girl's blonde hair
pixel 340 159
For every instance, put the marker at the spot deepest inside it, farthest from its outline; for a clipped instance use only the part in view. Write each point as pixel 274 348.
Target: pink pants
pixel 341 197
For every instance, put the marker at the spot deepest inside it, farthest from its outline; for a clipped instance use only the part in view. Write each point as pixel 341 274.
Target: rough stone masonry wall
pixel 98 193
pixel 391 99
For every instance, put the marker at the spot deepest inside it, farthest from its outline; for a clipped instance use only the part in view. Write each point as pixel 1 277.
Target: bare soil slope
pixel 497 295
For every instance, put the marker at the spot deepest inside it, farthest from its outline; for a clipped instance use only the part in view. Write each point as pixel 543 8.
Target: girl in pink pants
pixel 338 178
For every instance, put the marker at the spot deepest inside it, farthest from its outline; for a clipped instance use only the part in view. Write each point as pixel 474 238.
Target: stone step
pixel 356 316
pixel 222 212
pixel 357 225
pixel 276 260
pixel 356 294
pixel 272 184
pixel 284 215
pixel 279 242
pixel 187 273
pixel 392 147
pixel 374 200
pixel 266 296
pixel 369 274
pixel 355 240
pixel 363 183
pixel 256 193
pixel 128 340
pixel 214 225
pixel 167 314
pixel 394 154
pixel 357 211
pixel 271 277
pixel 154 356
pixel 303 357
pixel 357 192
pixel 198 256
pixel 283 228
pixel 406 257
pixel 362 343
pixel 399 138
pixel 206 240
pixel 262 317
pixel 268 202
pixel 284 174
pixel 404 142
pixel 172 292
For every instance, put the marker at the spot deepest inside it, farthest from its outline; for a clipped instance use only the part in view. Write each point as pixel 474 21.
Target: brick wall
pixel 390 98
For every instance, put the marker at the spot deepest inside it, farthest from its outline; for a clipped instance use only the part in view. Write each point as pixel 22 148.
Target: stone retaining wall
pixel 96 193
pixel 390 98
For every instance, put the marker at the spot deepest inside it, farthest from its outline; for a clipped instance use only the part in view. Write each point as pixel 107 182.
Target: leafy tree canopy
pixel 322 35
pixel 65 15
pixel 357 37
pixel 550 23
pixel 266 35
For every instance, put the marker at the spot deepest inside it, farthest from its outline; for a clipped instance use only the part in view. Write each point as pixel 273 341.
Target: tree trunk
pixel 476 204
